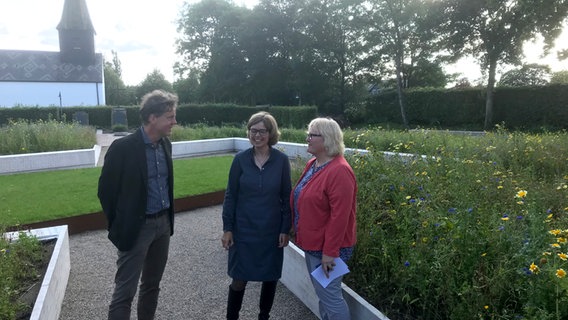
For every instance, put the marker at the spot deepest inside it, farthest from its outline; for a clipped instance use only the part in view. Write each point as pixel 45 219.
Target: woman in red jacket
pixel 324 209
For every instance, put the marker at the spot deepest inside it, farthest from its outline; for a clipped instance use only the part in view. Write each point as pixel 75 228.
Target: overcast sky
pixel 141 32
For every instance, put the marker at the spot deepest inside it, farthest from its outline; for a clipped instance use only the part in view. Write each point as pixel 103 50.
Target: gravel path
pixel 195 283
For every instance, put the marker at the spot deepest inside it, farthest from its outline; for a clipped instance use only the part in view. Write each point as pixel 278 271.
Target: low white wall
pixel 50 298
pixel 296 278
pixel 87 158
pixel 30 162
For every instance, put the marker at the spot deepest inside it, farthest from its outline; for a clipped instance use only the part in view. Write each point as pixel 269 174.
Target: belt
pixel 157 214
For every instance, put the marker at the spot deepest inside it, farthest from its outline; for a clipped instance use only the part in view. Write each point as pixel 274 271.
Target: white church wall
pixel 46 94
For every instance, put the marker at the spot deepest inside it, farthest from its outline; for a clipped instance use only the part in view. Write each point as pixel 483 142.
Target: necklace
pixel 260 160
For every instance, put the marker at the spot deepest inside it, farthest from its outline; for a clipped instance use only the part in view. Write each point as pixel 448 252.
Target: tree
pixel 116 93
pixel 153 81
pixel 400 35
pixel 527 75
pixel 494 32
pixel 334 30
pixel 424 74
pixel 187 89
pixel 559 77
pixel 201 26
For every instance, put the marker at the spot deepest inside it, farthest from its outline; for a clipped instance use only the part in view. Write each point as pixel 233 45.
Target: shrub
pixel 28 137
pixel 453 235
pixel 19 262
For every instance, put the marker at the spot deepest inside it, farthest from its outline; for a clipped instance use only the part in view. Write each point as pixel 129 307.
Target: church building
pixel 71 77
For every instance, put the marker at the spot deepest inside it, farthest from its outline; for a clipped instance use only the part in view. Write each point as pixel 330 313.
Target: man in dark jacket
pixel 136 194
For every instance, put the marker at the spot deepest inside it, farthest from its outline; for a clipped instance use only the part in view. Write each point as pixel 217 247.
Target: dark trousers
pixel 146 262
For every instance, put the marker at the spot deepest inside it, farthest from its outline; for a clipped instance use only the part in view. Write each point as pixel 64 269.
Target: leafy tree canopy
pixel 153 81
pixel 527 75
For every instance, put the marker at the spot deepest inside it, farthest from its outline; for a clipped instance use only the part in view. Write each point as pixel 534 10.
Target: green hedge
pixel 519 108
pixel 218 114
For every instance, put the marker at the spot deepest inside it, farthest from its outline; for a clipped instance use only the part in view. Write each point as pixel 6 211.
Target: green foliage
pixel 230 114
pixel 559 77
pixel 460 228
pixel 187 89
pixel 527 75
pixel 494 32
pixel 19 262
pixel 476 227
pixel 527 108
pixel 153 81
pixel 41 136
pixel 426 74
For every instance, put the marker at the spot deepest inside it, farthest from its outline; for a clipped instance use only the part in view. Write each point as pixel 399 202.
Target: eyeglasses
pixel 311 135
pixel 262 132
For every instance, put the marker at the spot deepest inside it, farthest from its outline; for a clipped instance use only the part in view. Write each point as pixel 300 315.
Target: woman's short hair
pixel 331 134
pixel 270 124
pixel 157 103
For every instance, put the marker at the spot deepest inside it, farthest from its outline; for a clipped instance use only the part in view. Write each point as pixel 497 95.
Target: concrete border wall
pixel 50 297
pixel 30 162
pixel 88 158
pixel 296 278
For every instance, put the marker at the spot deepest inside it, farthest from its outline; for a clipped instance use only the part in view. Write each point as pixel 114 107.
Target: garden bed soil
pixel 31 287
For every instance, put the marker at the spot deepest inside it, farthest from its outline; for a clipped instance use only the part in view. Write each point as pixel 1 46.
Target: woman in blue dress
pixel 256 215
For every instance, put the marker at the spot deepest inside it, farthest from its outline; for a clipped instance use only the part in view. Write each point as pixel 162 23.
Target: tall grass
pixel 42 136
pixel 476 230
pixel 20 264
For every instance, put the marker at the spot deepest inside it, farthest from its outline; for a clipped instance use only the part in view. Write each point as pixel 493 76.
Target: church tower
pixel 76 34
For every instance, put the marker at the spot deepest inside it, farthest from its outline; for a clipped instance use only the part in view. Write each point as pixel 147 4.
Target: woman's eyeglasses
pixel 311 135
pixel 262 132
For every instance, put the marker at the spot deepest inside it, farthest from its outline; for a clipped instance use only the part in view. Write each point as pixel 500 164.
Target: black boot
pixel 266 299
pixel 234 303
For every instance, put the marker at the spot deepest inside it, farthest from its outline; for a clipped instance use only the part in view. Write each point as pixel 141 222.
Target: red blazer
pixel 327 208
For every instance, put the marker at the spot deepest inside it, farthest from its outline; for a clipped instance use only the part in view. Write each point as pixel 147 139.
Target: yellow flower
pixel 563 256
pixel 499 187
pixel 408 197
pixel 555 232
pixel 486 307
pixel 521 194
pixel 505 218
pixel 546 253
pixel 555 245
pixel 534 268
pixel 561 240
pixel 484 254
pixel 560 273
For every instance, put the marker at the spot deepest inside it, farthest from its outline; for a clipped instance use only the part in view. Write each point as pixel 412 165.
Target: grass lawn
pixel 42 196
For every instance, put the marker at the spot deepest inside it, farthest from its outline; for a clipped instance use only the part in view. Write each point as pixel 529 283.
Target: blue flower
pixel 452 210
pixel 407 264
